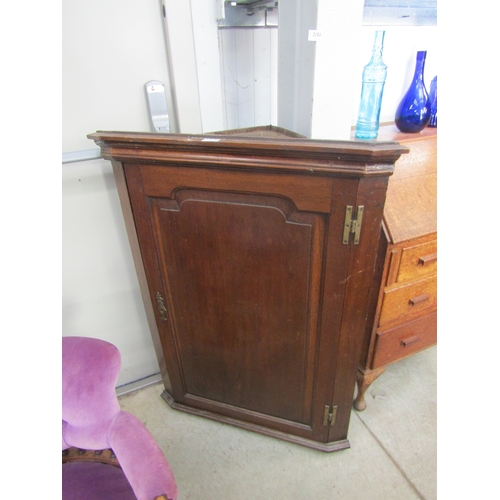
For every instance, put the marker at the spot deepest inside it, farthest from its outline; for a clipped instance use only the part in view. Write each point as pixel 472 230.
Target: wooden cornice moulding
pixel 359 158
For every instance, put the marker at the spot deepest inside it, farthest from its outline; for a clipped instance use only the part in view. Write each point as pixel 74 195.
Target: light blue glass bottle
pixel 374 75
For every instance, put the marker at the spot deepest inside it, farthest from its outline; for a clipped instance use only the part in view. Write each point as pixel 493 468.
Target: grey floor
pixel 392 454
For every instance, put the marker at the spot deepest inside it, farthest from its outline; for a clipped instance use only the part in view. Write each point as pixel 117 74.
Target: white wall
pixel 100 291
pixel 110 49
pixel 178 23
pixel 249 59
pixel 206 42
pixel 335 67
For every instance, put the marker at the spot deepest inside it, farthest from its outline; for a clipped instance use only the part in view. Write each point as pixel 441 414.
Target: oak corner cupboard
pixel 255 252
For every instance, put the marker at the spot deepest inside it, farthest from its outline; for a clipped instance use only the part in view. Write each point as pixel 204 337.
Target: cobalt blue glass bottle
pixel 414 111
pixel 433 122
pixel 374 74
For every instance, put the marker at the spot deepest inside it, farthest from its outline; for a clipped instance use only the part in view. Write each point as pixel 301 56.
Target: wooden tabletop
pixel 411 204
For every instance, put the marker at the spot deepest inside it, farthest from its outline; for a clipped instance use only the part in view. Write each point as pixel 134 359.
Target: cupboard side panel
pixel 152 277
pixel 371 195
pixel 332 299
pixel 121 185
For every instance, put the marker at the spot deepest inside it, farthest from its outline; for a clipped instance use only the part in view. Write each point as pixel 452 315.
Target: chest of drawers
pixel 404 296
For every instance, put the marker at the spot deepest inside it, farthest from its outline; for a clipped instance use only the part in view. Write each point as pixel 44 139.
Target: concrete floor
pixel 392 454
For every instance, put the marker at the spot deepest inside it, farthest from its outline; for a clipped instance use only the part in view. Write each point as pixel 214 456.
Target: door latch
pixel 161 307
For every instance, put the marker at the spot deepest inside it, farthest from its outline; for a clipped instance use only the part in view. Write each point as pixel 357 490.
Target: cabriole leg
pixel 364 381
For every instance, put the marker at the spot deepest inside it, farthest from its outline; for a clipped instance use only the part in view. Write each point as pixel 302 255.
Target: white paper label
pixel 314 35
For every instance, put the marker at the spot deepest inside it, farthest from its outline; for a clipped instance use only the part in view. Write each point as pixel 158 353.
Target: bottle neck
pixel 420 64
pixel 378 47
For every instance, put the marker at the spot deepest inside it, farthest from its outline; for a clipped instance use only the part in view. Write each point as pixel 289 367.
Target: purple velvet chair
pixel 92 420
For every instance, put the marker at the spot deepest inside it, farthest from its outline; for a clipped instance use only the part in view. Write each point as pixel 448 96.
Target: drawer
pixel 404 302
pixel 417 262
pixel 402 341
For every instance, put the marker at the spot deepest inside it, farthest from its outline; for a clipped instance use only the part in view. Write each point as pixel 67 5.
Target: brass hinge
pixel 329 417
pixel 352 226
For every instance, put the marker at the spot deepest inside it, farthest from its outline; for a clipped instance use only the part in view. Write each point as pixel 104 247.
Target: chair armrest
pixel 141 459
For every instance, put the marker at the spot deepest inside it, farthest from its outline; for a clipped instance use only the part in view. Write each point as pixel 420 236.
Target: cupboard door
pixel 239 271
pixel 238 280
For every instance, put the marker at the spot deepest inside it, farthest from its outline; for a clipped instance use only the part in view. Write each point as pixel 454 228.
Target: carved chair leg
pixel 364 381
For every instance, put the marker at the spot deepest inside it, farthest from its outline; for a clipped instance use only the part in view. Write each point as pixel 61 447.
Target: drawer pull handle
pixel 428 259
pixel 410 340
pixel 418 300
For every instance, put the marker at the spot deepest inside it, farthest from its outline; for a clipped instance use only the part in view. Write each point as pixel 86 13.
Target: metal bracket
pixel 248 13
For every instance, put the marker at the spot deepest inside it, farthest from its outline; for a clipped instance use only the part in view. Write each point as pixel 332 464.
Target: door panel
pixel 244 292
pixel 252 289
